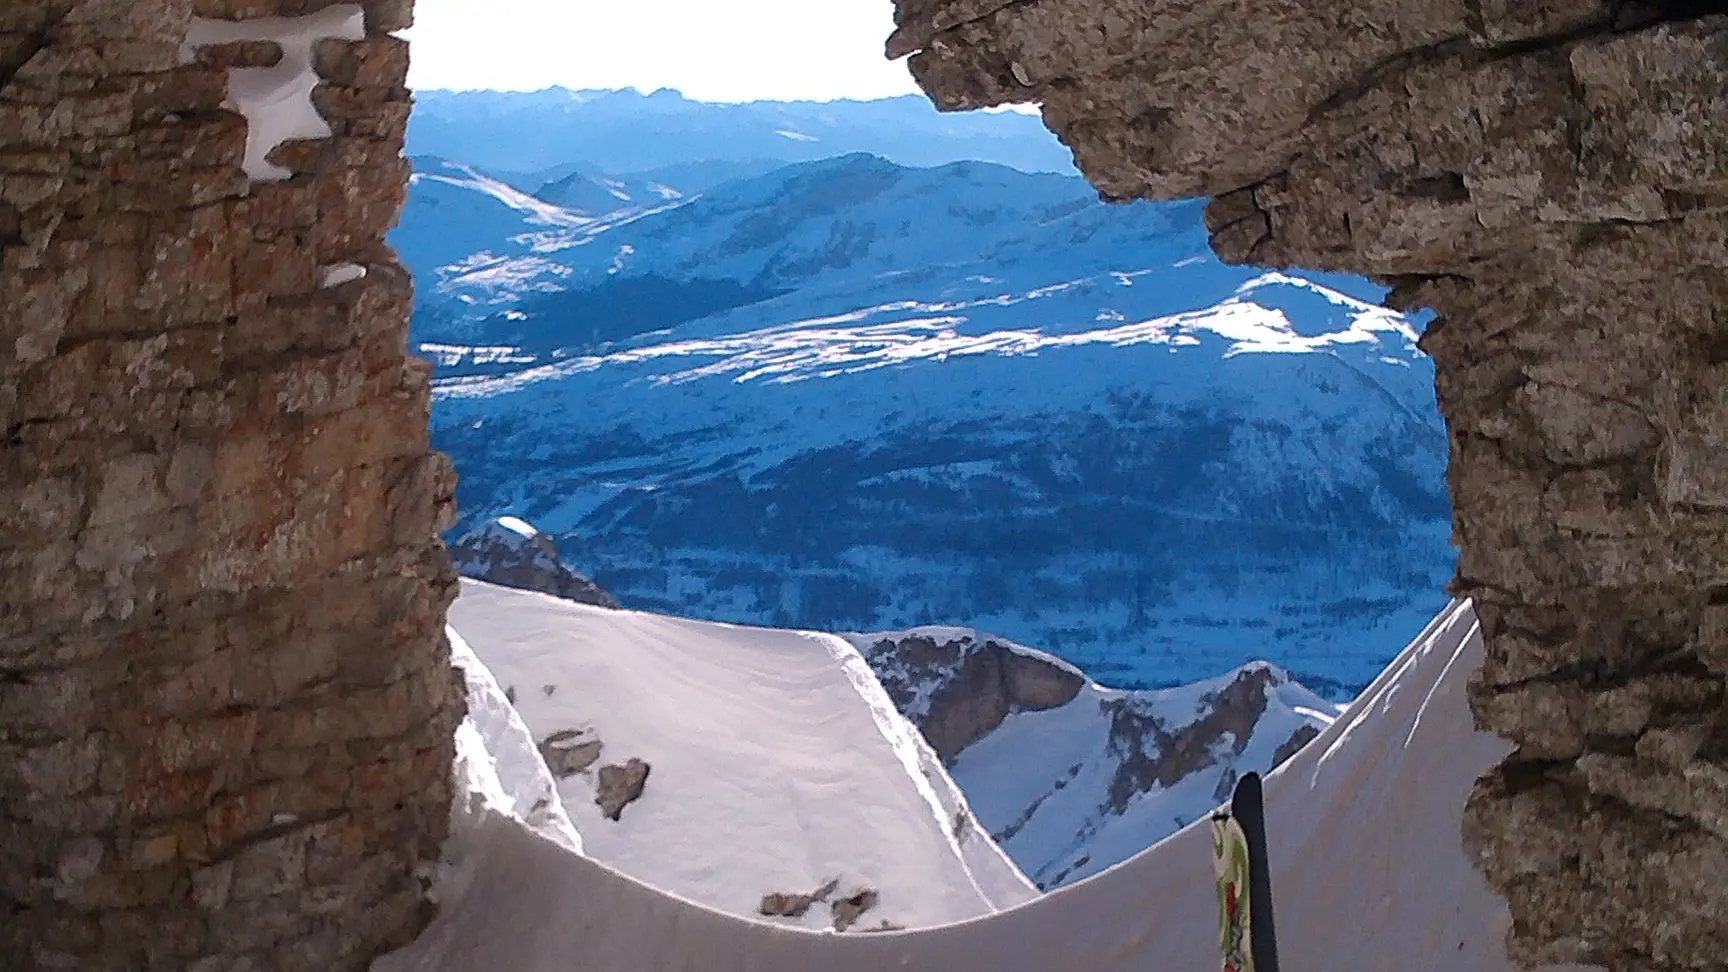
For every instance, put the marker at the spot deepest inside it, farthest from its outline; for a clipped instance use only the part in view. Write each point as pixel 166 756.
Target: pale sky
pixel 736 50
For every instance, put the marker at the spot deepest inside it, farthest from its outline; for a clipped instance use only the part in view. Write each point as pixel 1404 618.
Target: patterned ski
pixel 1230 863
pixel 1245 930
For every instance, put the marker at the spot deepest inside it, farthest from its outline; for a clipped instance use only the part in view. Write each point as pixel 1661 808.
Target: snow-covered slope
pixel 480 246
pixel 1363 828
pixel 775 763
pixel 1072 777
pixel 497 753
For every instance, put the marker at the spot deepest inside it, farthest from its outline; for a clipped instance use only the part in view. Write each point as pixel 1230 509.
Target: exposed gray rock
pixel 783 905
pixel 620 786
pixel 848 910
pixel 512 553
pixel 958 685
pixel 570 751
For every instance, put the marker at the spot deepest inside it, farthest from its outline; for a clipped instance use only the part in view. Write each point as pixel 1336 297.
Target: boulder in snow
pixel 849 909
pixel 621 786
pixel 570 751
pixel 782 905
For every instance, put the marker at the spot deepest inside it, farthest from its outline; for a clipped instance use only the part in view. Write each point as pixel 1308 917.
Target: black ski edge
pixel 1248 807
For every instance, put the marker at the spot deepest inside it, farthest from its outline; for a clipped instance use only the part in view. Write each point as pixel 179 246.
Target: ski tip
pixel 1247 789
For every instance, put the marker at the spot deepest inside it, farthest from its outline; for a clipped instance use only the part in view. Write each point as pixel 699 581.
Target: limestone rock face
pixel 1552 179
pixel 226 703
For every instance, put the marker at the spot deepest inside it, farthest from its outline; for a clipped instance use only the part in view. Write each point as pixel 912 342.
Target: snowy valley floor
pixel 1363 826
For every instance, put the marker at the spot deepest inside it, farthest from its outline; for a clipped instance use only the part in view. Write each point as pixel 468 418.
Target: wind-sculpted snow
pixel 497 755
pixel 1055 419
pixel 1363 830
pixel 775 761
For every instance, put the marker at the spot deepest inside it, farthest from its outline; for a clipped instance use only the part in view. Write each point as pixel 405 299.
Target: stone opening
pixel 1504 168
pixel 217 494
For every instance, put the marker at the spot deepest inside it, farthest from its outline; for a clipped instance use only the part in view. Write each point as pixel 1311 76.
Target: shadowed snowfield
pixel 1363 825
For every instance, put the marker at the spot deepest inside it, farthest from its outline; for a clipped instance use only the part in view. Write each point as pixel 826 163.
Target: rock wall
pixel 1552 179
pixel 958 686
pixel 226 705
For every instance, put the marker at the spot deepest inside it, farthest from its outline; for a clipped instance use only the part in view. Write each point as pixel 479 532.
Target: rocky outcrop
pixel 784 905
pixel 958 685
pixel 512 553
pixel 1083 754
pixel 1552 180
pixel 1158 754
pixel 226 701
pixel 846 911
pixel 619 786
pixel 570 751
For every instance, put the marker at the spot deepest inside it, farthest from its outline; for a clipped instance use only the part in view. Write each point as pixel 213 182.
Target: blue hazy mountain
pixel 850 393
pixel 619 132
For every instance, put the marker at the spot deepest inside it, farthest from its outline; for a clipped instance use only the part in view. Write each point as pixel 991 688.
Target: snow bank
pixel 1363 825
pixel 498 759
pixel 277 101
pixel 776 760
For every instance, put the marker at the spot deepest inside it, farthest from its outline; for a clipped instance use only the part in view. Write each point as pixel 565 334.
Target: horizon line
pixel 1022 109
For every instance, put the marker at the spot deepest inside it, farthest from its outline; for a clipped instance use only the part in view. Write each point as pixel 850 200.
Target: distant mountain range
pixel 850 394
pixel 524 136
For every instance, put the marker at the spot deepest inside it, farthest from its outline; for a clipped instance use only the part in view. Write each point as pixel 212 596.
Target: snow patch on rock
pixel 277 101
pixel 513 552
pixel 337 274
pixel 497 761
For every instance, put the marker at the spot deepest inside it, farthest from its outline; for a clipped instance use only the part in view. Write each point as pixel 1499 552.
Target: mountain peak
pixel 512 552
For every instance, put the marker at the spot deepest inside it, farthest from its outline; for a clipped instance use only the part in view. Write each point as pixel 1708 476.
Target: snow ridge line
pixel 909 747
